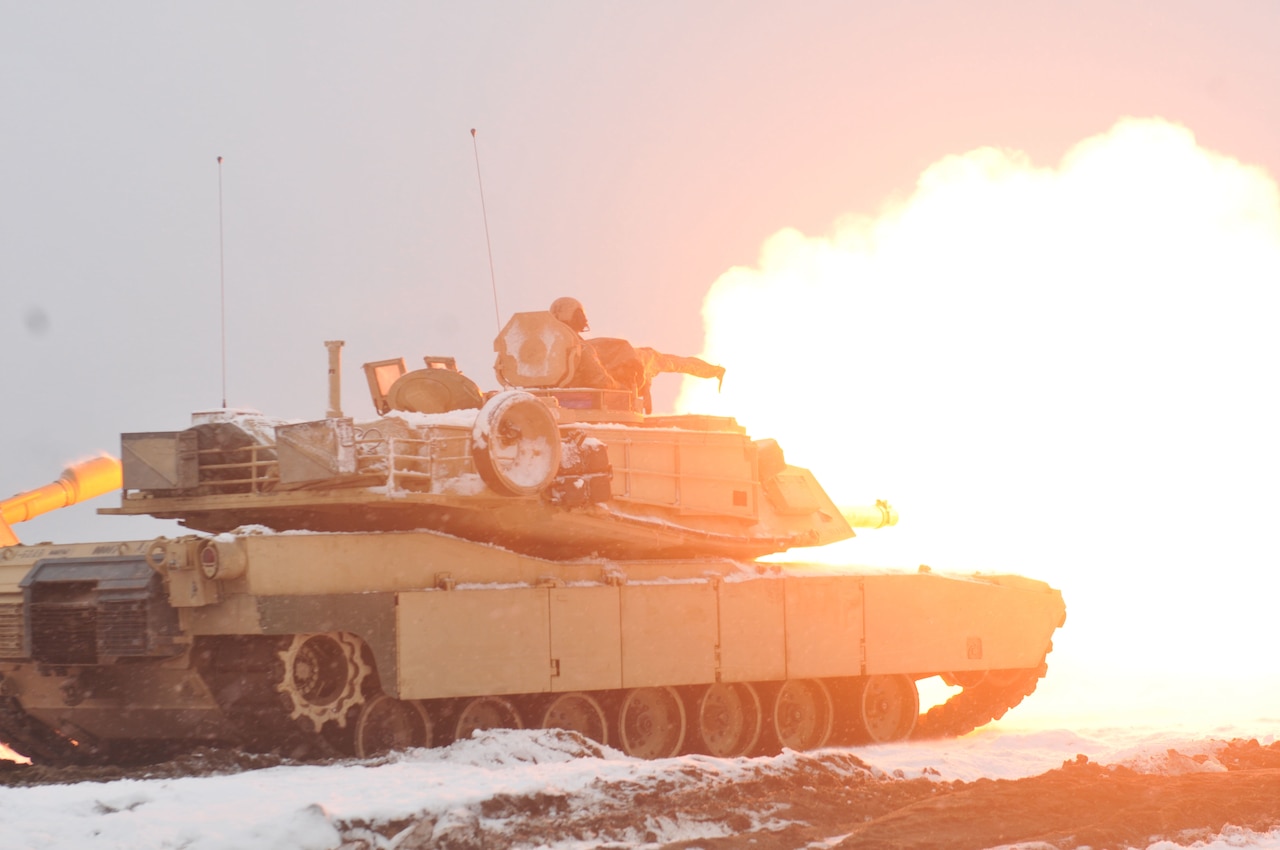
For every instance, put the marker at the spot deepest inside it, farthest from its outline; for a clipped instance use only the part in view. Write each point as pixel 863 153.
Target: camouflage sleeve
pixel 591 372
pixel 655 362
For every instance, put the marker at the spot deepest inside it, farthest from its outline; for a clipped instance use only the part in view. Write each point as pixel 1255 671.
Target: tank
pixel 543 555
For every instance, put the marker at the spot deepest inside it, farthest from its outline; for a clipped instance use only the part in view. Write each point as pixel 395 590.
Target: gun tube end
pixel 79 481
pixel 879 515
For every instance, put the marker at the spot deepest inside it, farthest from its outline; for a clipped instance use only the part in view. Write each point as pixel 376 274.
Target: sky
pixel 1048 369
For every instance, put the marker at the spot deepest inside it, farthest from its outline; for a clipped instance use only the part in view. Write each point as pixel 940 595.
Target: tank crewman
pixel 590 372
pixel 608 363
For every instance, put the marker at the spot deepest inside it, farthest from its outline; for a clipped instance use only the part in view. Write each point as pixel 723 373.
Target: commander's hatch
pixel 438 388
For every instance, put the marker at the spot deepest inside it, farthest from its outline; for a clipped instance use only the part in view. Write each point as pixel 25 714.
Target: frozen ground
pixel 550 789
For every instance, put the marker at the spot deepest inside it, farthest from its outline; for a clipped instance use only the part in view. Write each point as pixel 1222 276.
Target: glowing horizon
pixel 1061 372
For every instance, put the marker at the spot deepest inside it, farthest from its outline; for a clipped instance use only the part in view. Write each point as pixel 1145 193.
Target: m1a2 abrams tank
pixel 543 556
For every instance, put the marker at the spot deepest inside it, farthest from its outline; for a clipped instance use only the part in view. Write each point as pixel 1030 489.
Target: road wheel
pixel 386 723
pixel 486 713
pixel 729 719
pixel 887 708
pixel 652 723
pixel 803 715
pixel 577 712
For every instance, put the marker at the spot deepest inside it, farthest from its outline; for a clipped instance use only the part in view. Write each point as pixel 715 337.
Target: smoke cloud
pixel 1065 372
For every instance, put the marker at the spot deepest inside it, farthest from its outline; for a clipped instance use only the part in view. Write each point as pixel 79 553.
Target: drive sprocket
pixel 323 676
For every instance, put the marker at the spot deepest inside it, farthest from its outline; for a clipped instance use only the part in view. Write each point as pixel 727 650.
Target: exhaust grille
pixel 63 633
pixel 122 627
pixel 11 630
pixel 97 610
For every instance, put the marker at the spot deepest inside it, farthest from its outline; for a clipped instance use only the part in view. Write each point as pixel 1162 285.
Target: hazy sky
pixel 631 154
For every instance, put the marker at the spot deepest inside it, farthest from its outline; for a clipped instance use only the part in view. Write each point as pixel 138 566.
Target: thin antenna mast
pixel 493 279
pixel 222 288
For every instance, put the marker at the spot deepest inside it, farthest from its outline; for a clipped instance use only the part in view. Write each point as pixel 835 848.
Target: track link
pixel 979 704
pixel 29 737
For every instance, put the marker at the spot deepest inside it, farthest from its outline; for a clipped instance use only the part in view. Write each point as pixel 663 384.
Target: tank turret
pixel 539 467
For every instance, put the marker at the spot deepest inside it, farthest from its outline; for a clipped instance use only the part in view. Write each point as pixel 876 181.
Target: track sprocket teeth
pixel 350 690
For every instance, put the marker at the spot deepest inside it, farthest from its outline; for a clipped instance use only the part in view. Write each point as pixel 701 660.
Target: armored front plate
pixel 920 623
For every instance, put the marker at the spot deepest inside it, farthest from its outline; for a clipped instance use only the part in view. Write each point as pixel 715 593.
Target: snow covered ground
pixel 378 803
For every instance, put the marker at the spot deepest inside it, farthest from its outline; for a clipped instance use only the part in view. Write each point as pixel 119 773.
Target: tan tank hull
pixel 420 638
pixel 548 558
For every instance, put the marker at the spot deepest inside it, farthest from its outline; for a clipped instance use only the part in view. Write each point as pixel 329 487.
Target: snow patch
pixel 464 418
pixel 537 788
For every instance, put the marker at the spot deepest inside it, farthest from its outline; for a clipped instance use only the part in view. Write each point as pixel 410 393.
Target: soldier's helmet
pixel 569 311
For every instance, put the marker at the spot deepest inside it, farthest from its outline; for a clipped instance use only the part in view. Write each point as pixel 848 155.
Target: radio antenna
pixel 493 279
pixel 222 288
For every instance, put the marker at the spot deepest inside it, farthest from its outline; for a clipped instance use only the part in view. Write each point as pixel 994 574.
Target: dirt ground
pixel 1084 804
pixel 831 800
pixel 1079 804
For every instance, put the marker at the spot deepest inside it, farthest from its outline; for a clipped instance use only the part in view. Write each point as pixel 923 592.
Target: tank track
pixel 28 737
pixel 243 676
pixel 979 704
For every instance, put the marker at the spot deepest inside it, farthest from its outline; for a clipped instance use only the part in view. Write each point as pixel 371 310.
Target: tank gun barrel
pixel 879 515
pixel 79 481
